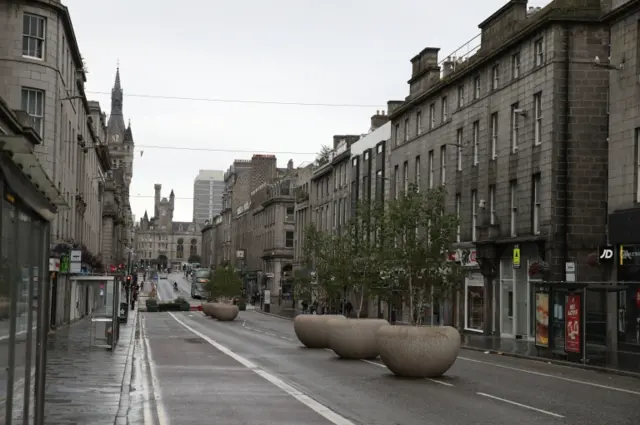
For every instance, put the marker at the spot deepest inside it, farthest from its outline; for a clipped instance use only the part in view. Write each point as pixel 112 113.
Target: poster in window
pixel 572 323
pixel 542 319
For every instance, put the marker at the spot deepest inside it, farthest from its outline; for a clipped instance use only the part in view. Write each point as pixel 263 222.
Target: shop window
pixel 37 261
pixel 510 304
pixel 474 302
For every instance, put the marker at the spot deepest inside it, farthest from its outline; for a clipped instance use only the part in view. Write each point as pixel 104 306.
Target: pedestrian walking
pixel 348 308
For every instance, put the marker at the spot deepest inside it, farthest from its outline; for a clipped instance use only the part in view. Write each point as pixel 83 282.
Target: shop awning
pixel 24 157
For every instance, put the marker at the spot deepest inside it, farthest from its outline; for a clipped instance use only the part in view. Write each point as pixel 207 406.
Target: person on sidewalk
pixel 348 308
pixel 134 298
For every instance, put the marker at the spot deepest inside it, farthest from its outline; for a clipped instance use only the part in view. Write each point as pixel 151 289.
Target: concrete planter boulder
pixel 207 309
pixel 418 351
pixel 355 338
pixel 313 329
pixel 225 312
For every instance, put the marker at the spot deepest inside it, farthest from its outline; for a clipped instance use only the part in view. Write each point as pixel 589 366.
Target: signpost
pixel 572 338
pixel 516 257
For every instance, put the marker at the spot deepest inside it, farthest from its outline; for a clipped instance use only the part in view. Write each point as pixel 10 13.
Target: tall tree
pixel 323 156
pixel 421 234
pixel 225 283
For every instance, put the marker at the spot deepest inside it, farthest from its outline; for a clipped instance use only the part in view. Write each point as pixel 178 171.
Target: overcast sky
pixel 308 51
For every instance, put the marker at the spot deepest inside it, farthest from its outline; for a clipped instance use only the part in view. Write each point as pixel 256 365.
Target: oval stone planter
pixel 418 351
pixel 355 338
pixel 225 312
pixel 312 329
pixel 207 309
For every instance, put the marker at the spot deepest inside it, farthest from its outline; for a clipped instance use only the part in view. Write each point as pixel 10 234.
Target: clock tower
pixel 115 126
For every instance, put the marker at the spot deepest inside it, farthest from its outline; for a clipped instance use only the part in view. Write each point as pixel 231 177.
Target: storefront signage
pixel 572 323
pixel 542 319
pixel 457 256
pixel 629 255
pixel 605 254
pixel 516 257
pixel 638 297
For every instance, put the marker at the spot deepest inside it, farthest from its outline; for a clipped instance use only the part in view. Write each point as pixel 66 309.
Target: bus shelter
pixel 107 292
pixel 571 319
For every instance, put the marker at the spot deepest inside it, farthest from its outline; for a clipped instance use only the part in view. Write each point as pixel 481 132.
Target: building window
pixel 460 96
pixel 418 122
pixel 335 214
pixel 379 185
pixel 538 49
pixel 406 129
pixel 537 113
pixel 493 149
pixel 476 142
pixel 288 239
pixel 405 176
pixel 417 172
pixel 366 154
pixel 492 204
pixel 536 207
pixel 459 150
pixel 33 105
pixel 445 109
pixel 495 77
pixel 458 209
pixel 432 116
pixel 476 88
pixel 396 134
pixel 515 129
pixel 33 36
pixel 396 182
pixel 474 214
pixel 443 164
pixel 430 169
pixel 513 194
pixel 290 213
pixel 515 66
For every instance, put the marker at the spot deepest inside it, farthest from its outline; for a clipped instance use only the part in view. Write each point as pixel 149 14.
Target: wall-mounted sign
pixel 54 264
pixel 516 257
pixel 75 256
pixel 605 254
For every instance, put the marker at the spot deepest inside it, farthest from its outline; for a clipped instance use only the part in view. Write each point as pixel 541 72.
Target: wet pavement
pixel 84 384
pixel 196 383
pixel 199 379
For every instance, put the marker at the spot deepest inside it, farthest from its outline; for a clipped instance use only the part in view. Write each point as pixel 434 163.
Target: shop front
pixel 520 268
pixel 628 302
pixel 27 205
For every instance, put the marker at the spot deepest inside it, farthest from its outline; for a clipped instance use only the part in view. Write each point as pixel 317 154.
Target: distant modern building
pixel 208 188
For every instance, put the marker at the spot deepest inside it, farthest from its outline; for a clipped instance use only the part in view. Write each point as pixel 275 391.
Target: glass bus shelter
pixel 106 293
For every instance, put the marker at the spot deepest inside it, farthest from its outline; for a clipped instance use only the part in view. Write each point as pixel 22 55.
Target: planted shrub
pixel 169 306
pixel 242 305
pixel 152 304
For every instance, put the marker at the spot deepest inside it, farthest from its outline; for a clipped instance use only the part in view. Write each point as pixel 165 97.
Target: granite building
pixel 517 132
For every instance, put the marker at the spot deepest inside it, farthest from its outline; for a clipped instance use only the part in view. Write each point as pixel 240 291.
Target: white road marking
pixel 287 338
pixel 270 334
pixel 524 406
pixel 446 384
pixel 163 418
pixel 314 405
pixel 548 375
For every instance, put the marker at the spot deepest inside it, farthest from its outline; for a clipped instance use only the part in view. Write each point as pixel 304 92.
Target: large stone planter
pixel 418 351
pixel 207 309
pixel 355 338
pixel 312 329
pixel 225 312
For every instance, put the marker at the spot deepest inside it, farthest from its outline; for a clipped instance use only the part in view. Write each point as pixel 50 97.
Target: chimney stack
pixel 378 120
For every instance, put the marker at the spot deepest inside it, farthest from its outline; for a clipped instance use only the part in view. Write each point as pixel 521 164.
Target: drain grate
pixel 194 340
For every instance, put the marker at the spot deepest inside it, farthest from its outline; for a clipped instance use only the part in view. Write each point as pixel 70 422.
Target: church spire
pixel 116 95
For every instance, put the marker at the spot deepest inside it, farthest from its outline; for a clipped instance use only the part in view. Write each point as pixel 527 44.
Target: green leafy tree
pixel 323 156
pixel 194 258
pixel 365 255
pixel 225 283
pixel 419 235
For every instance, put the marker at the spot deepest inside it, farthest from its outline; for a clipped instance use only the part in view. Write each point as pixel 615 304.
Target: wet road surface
pixel 254 371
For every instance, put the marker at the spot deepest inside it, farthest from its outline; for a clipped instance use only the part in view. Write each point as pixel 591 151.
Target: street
pixel 166 291
pixel 254 371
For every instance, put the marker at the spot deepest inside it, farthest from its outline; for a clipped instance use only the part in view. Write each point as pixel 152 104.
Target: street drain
pixel 194 340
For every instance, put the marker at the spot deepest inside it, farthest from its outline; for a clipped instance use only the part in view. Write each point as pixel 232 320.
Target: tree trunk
pixel 411 296
pixel 360 303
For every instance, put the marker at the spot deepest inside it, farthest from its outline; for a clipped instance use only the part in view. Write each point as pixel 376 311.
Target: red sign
pixel 572 323
pixel 638 297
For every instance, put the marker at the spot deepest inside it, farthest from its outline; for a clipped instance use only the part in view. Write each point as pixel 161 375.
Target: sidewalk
pixel 87 385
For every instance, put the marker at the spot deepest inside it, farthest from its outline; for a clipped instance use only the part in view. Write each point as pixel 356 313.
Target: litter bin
pixel 124 312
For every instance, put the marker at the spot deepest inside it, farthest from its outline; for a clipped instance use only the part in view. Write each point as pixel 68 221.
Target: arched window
pixel 180 249
pixel 193 249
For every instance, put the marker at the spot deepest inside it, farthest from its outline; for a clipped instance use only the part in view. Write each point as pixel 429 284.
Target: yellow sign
pixel 10 198
pixel 516 257
pixel 621 254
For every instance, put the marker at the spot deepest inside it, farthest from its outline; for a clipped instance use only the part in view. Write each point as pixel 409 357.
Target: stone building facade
pixel 163 242
pixel 518 135
pixel 212 241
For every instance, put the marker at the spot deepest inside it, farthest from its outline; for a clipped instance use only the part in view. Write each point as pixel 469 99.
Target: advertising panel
pixel 542 319
pixel 572 323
